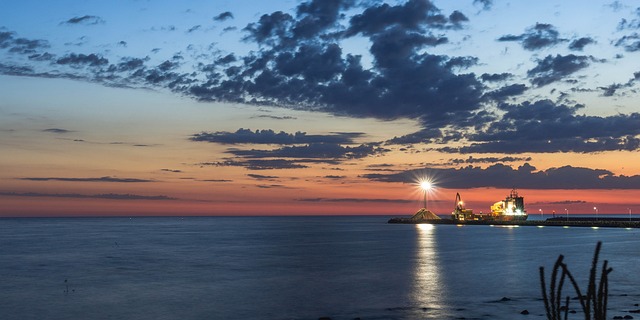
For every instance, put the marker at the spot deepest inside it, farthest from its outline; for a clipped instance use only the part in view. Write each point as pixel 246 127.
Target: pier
pixel 602 222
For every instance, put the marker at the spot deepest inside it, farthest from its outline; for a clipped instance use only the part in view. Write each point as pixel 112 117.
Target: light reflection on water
pixel 428 288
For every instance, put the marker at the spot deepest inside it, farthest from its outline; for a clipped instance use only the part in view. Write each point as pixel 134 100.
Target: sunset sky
pixel 251 107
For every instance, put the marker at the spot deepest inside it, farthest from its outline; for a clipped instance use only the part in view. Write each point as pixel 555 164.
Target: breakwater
pixel 551 222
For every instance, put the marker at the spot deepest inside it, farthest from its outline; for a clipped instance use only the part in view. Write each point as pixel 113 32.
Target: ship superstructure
pixel 509 209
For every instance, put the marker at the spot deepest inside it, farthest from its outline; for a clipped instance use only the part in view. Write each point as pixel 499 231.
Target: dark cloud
pixel 77 60
pixel 261 177
pixel 101 179
pixel 355 200
pixel 422 136
pixel 304 67
pixel 57 130
pixel 223 16
pixel 46 56
pixel 313 151
pixel 507 91
pixel 630 43
pixel 334 177
pixel 271 137
pixel 216 180
pixel 523 177
pixel 544 126
pixel 171 170
pixel 495 77
pixel 275 117
pixel 9 42
pixel 552 69
pixel 194 28
pixel 537 37
pixel 472 159
pixel 413 15
pixel 112 196
pixel 266 164
pixel 580 43
pixel 86 19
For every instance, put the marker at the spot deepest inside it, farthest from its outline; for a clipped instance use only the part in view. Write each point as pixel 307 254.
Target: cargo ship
pixel 509 209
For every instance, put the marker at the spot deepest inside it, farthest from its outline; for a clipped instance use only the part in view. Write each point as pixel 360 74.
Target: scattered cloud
pixel 523 177
pixel 86 20
pixel 540 36
pixel 580 43
pixel 57 130
pixel 246 136
pixel 552 69
pixel 313 150
pixel 101 179
pixel 223 16
pixel 544 126
pixel 261 177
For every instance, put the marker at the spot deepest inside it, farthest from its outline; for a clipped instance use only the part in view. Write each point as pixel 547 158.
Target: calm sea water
pixel 294 268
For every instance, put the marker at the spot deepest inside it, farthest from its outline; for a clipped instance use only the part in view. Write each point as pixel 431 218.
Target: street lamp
pixel 541 213
pixel 426 186
pixel 567 212
pixel 596 210
pixel 629 213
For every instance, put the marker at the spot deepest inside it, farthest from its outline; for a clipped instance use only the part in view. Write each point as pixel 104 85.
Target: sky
pixel 317 107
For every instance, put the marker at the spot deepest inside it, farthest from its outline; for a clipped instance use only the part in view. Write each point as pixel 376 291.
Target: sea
pixel 346 267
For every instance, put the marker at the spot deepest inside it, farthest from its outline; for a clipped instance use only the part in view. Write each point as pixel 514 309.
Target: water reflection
pixel 428 288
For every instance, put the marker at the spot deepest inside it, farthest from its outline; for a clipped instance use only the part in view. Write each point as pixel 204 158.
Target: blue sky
pixel 315 95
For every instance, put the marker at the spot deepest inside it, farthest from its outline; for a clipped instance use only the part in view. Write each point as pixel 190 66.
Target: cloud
pixel 544 126
pixel 472 159
pixel 194 28
pixel 301 65
pixel 171 170
pixel 9 42
pixel 262 177
pixel 580 43
pixel 246 136
pixel 313 150
pixel 266 164
pixel 56 130
pixel 630 43
pixel 523 177
pixel 223 16
pixel 495 77
pixel 334 177
pixel 86 20
pixel 552 69
pixel 77 60
pixel 101 179
pixel 507 91
pixel 275 117
pixel 112 196
pixel 537 37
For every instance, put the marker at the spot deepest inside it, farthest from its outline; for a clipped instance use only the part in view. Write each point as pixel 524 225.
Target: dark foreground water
pixel 294 268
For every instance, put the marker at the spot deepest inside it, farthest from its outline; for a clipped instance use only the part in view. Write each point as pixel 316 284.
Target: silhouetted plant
pixel 594 304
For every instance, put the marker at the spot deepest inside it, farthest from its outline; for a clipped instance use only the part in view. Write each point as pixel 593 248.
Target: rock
pixel 505 299
pixel 617 317
pixel 525 311
pixel 628 317
pixel 572 311
pixel 634 311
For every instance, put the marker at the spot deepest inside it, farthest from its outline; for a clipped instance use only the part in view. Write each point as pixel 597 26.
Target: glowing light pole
pixel 567 212
pixel 541 213
pixel 426 186
pixel 596 210
pixel 629 213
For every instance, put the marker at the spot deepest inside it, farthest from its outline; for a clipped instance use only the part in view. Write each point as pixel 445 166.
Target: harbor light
pixel 426 186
